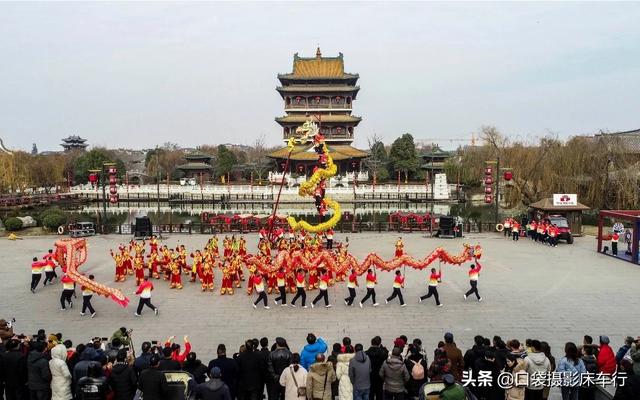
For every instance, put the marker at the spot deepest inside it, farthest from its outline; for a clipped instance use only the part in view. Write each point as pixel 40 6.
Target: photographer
pixel 124 335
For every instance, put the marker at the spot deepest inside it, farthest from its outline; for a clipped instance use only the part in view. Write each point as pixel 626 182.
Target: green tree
pixel 94 159
pixel 225 161
pixel 403 156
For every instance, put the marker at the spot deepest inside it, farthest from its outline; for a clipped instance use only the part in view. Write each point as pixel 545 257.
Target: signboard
pixel 564 199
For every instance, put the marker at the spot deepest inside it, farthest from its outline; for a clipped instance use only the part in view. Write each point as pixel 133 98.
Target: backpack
pixel 417 371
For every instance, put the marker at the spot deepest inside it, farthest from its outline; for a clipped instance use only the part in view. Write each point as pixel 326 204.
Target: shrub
pixel 13 224
pixel 53 220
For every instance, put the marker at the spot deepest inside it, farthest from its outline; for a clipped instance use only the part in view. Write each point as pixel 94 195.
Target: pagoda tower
pixel 318 89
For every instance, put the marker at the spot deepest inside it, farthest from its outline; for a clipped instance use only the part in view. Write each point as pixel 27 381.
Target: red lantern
pixel 112 170
pixel 508 175
pixel 113 180
pixel 488 180
pixel 113 199
pixel 93 178
pixel 488 199
pixel 113 190
pixel 488 190
pixel 488 171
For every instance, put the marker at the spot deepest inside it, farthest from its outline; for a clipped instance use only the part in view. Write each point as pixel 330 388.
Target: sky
pixel 136 75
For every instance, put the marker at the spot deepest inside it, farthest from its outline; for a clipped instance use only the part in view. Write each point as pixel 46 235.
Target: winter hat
pixel 448 379
pixel 399 342
pixel 448 337
pixel 604 339
pixel 215 372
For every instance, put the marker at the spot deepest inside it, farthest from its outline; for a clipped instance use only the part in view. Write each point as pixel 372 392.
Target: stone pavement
pixel 530 291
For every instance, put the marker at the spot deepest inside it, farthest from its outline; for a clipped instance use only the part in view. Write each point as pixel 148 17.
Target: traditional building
pixel 318 89
pixel 197 166
pixel 74 142
pixel 434 160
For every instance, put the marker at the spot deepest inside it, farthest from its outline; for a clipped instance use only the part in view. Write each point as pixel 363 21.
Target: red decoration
pixel 488 199
pixel 488 180
pixel 113 190
pixel 488 171
pixel 488 190
pixel 93 178
pixel 112 170
pixel 508 175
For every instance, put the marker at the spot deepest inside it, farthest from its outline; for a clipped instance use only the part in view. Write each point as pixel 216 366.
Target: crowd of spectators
pixel 48 366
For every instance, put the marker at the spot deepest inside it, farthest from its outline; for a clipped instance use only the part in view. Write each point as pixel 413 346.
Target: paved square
pixel 530 290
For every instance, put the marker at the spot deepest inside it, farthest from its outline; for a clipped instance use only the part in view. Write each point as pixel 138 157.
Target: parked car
pixel 81 229
pixel 564 232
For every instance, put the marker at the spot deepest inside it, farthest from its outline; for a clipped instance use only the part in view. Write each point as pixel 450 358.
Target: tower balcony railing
pixel 312 106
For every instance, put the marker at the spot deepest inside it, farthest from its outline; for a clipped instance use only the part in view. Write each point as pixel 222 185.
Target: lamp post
pixel 101 182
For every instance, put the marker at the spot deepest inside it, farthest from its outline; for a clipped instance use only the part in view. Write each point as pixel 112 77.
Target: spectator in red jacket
pixel 175 354
pixel 606 358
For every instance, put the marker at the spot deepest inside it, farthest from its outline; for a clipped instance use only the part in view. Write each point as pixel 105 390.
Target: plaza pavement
pixel 530 291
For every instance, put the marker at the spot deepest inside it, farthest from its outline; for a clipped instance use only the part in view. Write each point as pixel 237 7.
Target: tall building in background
pixel 318 89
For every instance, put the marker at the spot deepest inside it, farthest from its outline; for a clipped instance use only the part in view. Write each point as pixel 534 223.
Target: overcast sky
pixel 140 74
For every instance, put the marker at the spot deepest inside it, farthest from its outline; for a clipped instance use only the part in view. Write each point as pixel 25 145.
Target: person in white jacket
pixel 60 374
pixel 345 387
pixel 293 377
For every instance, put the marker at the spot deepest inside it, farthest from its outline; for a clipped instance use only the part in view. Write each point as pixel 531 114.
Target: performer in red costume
pixel 398 284
pixel 227 279
pixel 138 266
pixel 258 284
pixel 67 292
pixel 282 288
pixel 36 273
pixel 323 285
pixel 434 279
pixel 372 280
pixel 176 278
pixel 474 273
pixel 144 291
pixel 207 277
pixel 300 286
pixel 352 283
pixel 399 248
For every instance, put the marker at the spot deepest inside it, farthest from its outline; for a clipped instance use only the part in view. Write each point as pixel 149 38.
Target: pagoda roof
pixel 74 138
pixel 546 204
pixel 318 88
pixel 306 152
pixel 197 156
pixel 194 166
pixel 301 118
pixel 318 67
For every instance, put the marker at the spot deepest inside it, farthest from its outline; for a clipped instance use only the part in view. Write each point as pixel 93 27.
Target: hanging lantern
pixel 488 199
pixel 112 170
pixel 488 189
pixel 113 199
pixel 508 175
pixel 113 180
pixel 113 190
pixel 93 178
pixel 488 170
pixel 488 180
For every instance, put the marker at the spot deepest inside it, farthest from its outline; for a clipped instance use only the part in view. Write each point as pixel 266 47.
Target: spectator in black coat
pixel 123 379
pixel 38 372
pixel 195 367
pixel 14 370
pixel 214 389
pixel 279 359
pixel 142 361
pixel 93 386
pixel 228 368
pixel 168 363
pixel 152 382
pixel 474 353
pixel 377 354
pixel 489 366
pixel 252 373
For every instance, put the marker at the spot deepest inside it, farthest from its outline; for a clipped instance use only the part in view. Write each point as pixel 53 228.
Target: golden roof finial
pixel 318 53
